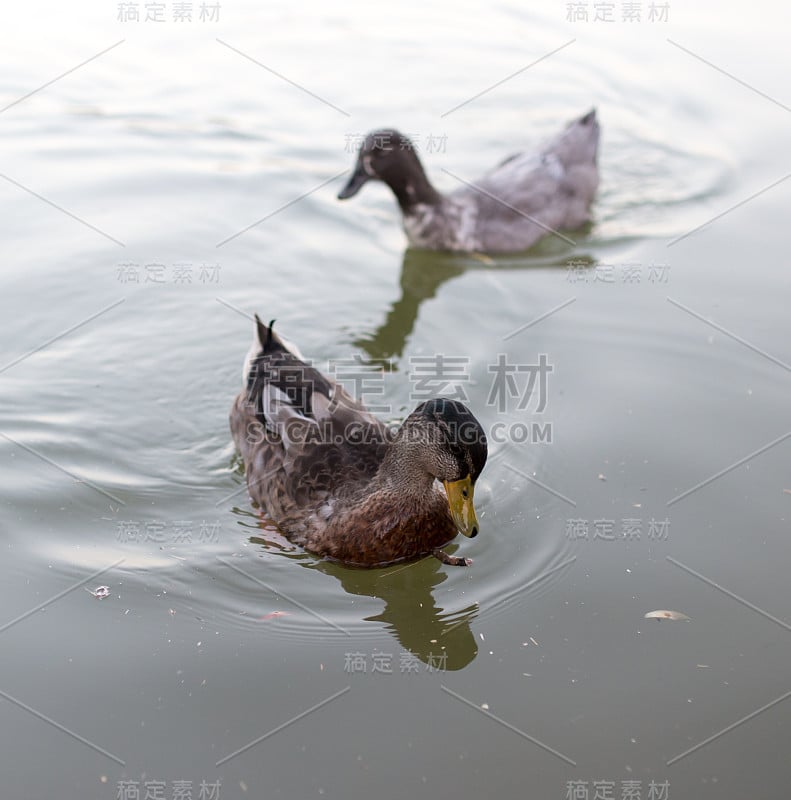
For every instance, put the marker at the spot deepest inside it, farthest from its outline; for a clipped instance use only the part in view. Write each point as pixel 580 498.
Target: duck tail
pixel 264 334
pixel 270 342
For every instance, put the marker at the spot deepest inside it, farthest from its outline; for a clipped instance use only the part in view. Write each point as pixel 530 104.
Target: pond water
pixel 162 192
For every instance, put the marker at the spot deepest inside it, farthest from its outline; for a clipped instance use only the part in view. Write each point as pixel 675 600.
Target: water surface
pixel 125 323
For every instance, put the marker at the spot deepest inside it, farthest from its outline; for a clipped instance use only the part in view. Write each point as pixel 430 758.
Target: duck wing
pixel 530 194
pixel 305 441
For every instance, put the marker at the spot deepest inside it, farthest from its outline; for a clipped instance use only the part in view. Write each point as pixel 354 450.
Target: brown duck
pixel 338 481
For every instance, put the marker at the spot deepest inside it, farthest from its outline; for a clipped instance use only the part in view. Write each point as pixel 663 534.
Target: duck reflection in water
pixel 423 272
pixel 440 638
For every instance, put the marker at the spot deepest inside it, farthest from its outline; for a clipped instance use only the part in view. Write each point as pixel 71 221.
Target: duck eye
pixel 465 493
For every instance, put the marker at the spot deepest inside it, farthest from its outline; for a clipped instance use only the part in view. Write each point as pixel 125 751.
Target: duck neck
pixel 402 471
pixel 411 187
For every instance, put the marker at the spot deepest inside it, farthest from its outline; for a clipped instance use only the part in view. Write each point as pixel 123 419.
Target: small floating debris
pixel 662 614
pixel 483 258
pixel 273 615
pixel 602 477
pixel 100 591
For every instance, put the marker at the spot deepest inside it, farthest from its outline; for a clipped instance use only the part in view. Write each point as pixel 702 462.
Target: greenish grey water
pixel 215 634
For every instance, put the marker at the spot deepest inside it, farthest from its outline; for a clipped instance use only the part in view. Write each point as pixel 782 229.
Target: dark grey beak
pixel 355 183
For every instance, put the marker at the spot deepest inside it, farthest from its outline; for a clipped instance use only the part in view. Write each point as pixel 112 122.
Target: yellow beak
pixel 461 507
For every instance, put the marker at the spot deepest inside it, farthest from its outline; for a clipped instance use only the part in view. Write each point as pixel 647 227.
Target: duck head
pixel 444 441
pixel 389 156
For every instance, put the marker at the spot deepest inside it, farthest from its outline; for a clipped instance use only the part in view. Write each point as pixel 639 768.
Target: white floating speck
pixel 100 591
pixel 662 614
